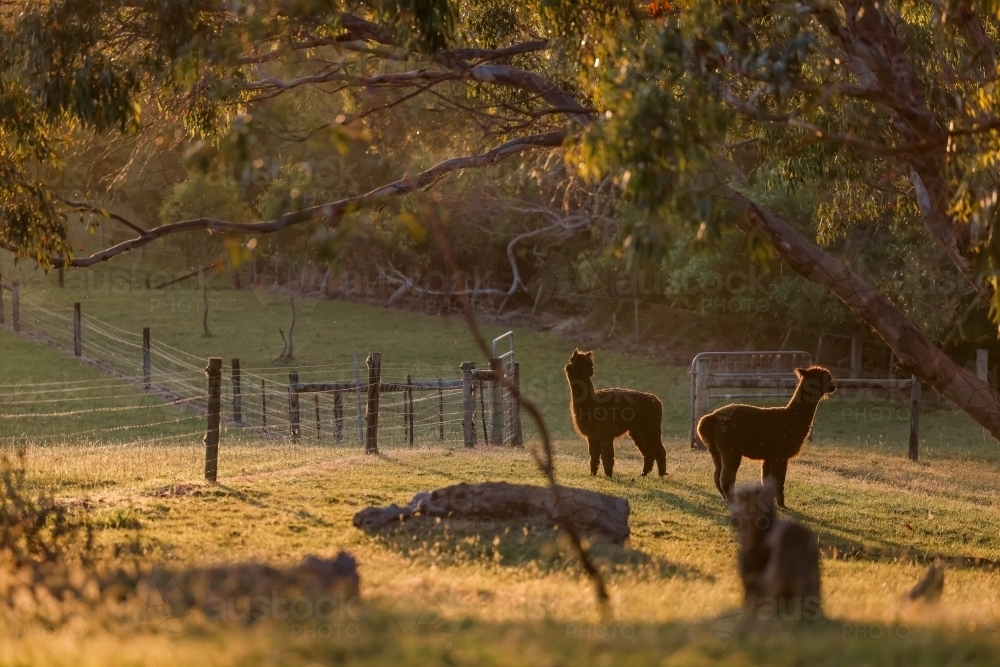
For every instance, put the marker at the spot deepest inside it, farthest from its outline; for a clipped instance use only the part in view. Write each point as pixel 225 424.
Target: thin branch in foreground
pixel 544 461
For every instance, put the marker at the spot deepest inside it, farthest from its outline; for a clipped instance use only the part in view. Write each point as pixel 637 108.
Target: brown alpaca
pixel 778 560
pixel 602 415
pixel 771 435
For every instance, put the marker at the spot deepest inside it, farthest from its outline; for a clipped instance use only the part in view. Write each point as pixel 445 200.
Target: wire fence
pixel 143 425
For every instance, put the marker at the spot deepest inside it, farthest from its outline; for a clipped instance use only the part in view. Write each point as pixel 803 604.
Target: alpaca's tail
pixel 706 427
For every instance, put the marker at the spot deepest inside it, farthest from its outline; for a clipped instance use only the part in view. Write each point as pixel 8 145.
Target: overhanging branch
pixel 331 212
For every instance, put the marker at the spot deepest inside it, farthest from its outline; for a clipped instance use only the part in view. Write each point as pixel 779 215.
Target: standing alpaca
pixel 771 435
pixel 602 415
pixel 778 560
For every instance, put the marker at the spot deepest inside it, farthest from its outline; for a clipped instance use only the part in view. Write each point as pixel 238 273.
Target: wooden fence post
pixel 440 410
pixel 62 279
pixel 515 407
pixel 263 405
pixel 2 288
pixel 914 419
pixel 468 405
pixel 15 297
pixel 237 392
pixel 319 428
pixel 408 404
pixel 374 363
pixel 214 372
pixel 357 400
pixel 147 360
pixel 496 407
pixel 338 416
pixel 701 402
pixel 482 410
pixel 293 406
pixel 77 330
pixel 855 357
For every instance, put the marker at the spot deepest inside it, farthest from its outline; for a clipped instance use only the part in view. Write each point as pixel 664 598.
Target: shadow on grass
pixel 513 543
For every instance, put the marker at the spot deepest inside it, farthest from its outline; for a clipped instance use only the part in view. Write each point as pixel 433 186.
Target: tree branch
pixel 331 212
pixel 914 349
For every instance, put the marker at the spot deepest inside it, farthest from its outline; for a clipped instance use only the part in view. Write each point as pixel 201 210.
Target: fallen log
pixel 591 512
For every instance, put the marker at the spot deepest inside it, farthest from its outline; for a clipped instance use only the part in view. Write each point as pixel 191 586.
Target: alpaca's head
pixel 816 382
pixel 580 366
pixel 753 510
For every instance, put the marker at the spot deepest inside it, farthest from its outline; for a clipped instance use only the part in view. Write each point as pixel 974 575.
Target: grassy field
pixel 441 595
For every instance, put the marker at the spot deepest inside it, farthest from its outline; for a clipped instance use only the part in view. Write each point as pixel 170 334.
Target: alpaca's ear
pixel 589 354
pixel 799 372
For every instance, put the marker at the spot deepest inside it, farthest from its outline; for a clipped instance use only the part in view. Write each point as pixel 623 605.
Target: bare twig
pixel 544 461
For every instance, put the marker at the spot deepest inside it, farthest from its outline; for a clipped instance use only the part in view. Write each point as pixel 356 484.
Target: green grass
pixel 506 597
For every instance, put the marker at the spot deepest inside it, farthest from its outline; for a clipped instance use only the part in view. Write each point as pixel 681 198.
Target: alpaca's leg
pixel 647 463
pixel 717 459
pixel 765 470
pixel 643 443
pixel 608 456
pixel 730 466
pixel 595 454
pixel 778 469
pixel 660 454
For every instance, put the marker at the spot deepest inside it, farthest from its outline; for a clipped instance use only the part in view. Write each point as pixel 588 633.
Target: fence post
pixel 147 363
pixel 496 403
pixel 515 407
pixel 914 419
pixel 855 357
pixel 357 398
pixel 77 330
pixel 701 402
pixel 338 415
pixel 214 372
pixel 293 406
pixel 15 297
pixel 468 405
pixel 2 288
pixel 409 406
pixel 62 279
pixel 482 410
pixel 263 405
pixel 374 363
pixel 237 392
pixel 440 410
pixel 319 428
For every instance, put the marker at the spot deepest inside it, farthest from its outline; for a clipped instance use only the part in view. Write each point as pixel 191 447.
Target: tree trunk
pixel 289 352
pixel 914 350
pixel 204 303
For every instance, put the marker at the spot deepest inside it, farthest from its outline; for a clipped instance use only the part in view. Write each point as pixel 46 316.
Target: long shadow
pixel 511 543
pixel 835 547
pixel 249 499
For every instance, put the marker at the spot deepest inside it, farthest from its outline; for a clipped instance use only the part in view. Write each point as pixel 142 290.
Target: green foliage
pixel 203 195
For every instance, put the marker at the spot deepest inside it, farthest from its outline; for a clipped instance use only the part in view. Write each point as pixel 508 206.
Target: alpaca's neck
pixel 582 390
pixel 800 406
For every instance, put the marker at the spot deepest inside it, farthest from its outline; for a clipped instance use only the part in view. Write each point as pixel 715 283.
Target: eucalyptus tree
pixel 891 106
